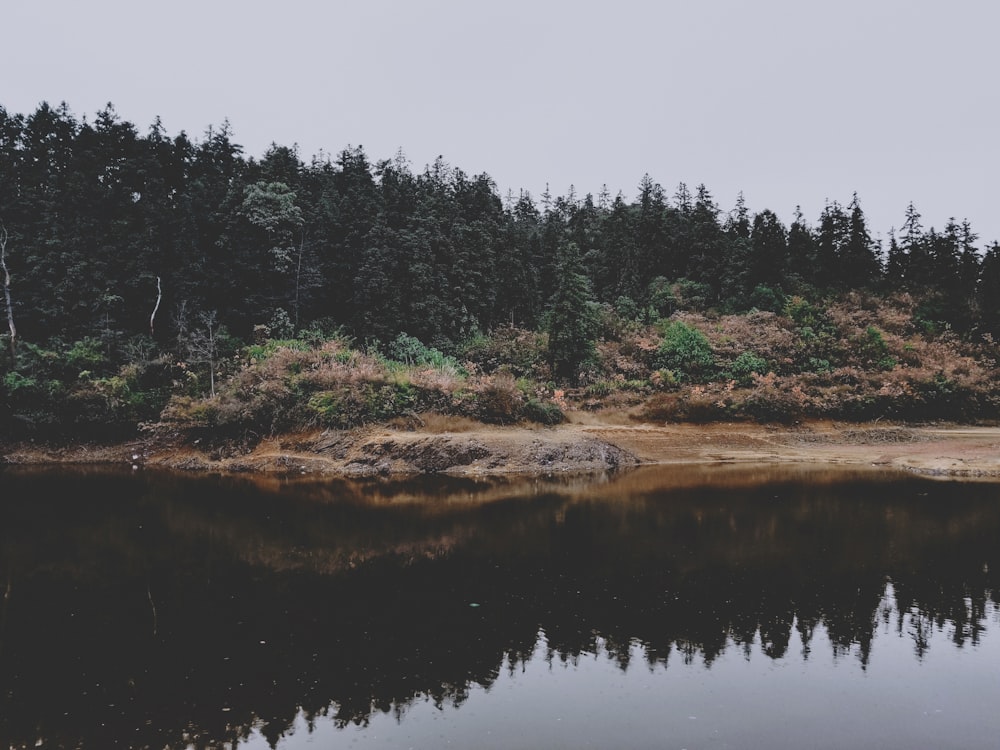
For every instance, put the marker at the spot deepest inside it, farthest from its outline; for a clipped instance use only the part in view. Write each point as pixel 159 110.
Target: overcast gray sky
pixel 790 101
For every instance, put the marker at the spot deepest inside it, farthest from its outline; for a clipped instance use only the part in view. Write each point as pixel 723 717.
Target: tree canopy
pixel 103 224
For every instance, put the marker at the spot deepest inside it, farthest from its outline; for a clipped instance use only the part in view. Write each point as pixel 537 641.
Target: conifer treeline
pixel 97 214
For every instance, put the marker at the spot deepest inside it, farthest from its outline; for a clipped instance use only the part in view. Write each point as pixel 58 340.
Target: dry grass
pixel 858 358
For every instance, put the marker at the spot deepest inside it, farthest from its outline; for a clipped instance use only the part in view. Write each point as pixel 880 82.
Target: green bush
pixel 413 352
pixel 350 406
pixel 626 308
pixel 819 366
pixel 767 298
pixel 746 366
pixel 264 351
pixel 691 295
pixel 873 350
pixel 15 383
pixel 86 355
pixel 543 412
pixel 600 389
pixel 661 297
pixel 685 351
pixel 803 313
pixel 517 351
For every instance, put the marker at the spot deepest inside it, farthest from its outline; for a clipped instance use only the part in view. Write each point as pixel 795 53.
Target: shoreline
pixel 585 444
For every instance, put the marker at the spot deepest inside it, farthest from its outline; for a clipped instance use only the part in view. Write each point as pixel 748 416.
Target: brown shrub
pixel 498 400
pixel 775 399
pixel 517 351
pixel 697 404
pixel 764 333
pixel 614 361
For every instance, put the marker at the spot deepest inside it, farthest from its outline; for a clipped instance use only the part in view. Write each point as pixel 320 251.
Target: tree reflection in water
pixel 165 611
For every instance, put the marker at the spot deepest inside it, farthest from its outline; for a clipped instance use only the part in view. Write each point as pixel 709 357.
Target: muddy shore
pixel 587 443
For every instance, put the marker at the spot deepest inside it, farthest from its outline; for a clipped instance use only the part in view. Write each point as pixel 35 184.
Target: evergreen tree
pixel 354 212
pixel 768 251
pixel 706 243
pixel 734 268
pixel 832 238
pixel 517 300
pixel 586 229
pixel 571 317
pixel 919 267
pixel 989 291
pixel 969 263
pixel 649 255
pixel 271 207
pixel 801 250
pixel 860 264
pixel 620 242
pixel 895 264
pixel 476 233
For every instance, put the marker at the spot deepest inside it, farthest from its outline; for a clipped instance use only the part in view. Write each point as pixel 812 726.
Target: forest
pixel 155 279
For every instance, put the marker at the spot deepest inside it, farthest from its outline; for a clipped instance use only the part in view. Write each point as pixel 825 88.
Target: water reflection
pixel 165 611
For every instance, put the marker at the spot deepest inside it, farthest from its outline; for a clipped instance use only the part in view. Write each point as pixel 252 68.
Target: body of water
pixel 673 607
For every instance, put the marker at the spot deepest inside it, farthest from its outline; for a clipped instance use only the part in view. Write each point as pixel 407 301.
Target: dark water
pixel 668 608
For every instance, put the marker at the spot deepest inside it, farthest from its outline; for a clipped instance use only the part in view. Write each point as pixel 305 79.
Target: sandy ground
pixel 588 443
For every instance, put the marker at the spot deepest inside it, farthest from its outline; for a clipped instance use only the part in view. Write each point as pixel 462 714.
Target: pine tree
pixel 895 262
pixel 768 250
pixel 517 300
pixel 832 238
pixel 620 243
pixel 571 317
pixel 734 268
pixel 860 264
pixel 919 267
pixel 989 291
pixel 706 243
pixel 801 250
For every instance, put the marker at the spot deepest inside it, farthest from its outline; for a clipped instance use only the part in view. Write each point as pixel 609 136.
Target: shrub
pixel 517 351
pixel 86 355
pixel 764 297
pixel 600 388
pixel 695 405
pixel 746 366
pixel 498 400
pixel 661 297
pixel 775 399
pixel 266 350
pixel 685 351
pixel 16 384
pixel 543 412
pixel 804 313
pixel 411 351
pixel 819 365
pixel 626 308
pixel 873 350
pixel 691 295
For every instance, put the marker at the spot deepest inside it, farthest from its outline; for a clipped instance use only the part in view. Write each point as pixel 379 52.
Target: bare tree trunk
pixel 211 355
pixel 159 296
pixel 6 295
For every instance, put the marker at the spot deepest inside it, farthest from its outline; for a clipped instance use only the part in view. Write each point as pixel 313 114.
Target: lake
pixel 668 607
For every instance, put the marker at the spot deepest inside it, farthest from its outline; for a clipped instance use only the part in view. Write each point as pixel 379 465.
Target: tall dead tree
pixel 6 295
pixel 152 317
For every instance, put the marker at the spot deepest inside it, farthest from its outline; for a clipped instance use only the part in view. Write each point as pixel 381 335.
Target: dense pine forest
pixel 152 278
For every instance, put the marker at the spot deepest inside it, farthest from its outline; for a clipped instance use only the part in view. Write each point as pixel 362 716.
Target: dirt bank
pixel 587 443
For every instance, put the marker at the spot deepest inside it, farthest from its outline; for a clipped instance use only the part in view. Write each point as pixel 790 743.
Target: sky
pixel 792 102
